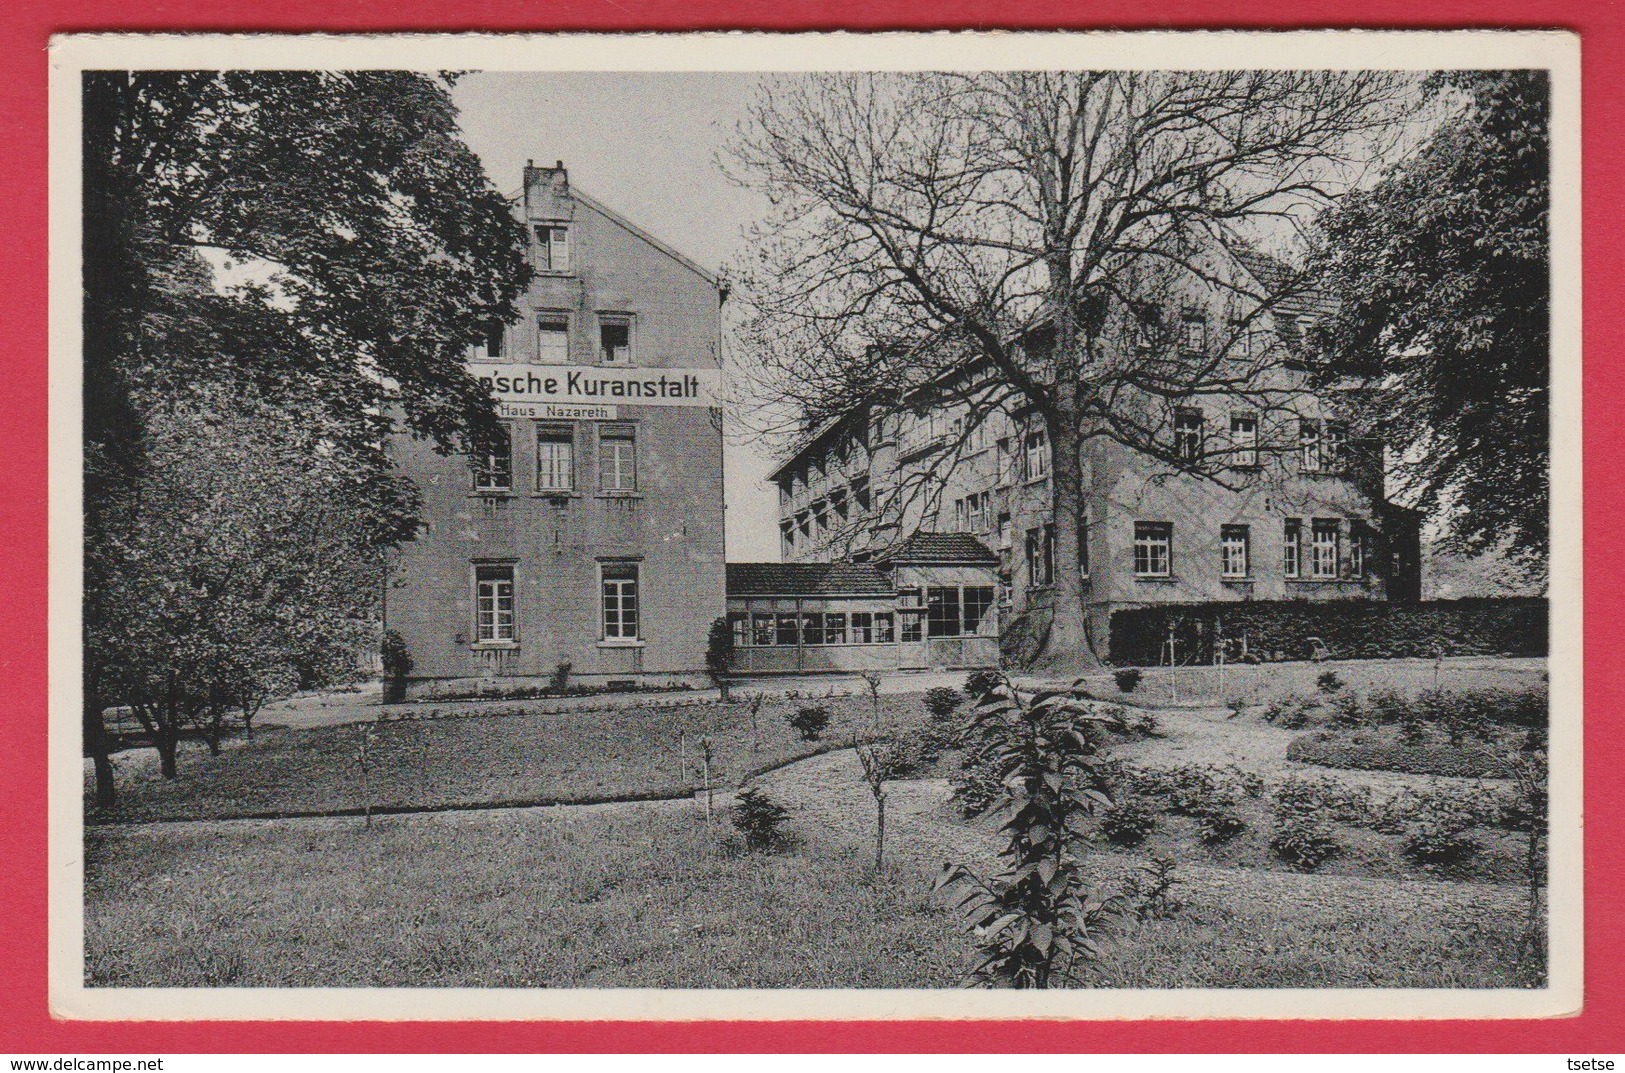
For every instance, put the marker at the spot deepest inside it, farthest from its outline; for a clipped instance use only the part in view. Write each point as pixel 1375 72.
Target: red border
pixel 26 1025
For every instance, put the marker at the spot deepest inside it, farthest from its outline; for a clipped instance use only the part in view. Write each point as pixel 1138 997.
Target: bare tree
pixel 1008 239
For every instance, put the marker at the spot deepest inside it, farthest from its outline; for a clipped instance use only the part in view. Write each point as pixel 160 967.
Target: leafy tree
pixel 323 241
pixel 719 654
pixel 1442 271
pixel 1003 236
pixel 248 565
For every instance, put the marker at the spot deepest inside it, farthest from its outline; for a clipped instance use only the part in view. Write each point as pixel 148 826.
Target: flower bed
pixel 1383 750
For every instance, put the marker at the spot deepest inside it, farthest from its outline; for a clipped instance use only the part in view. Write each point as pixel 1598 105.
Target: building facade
pixel 589 538
pixel 927 603
pixel 1262 491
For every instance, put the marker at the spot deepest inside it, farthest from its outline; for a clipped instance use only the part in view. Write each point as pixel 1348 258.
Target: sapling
pixel 879 764
pixel 755 728
pixel 705 765
pixel 872 681
pixel 1033 921
pixel 365 739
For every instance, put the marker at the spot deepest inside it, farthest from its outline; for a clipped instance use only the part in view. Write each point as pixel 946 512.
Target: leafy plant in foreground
pixel 1151 886
pixel 1127 822
pixel 1033 921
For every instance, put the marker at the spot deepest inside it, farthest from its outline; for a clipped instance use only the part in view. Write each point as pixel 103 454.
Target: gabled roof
pixel 1276 276
pixel 939 549
pixel 807 579
pixel 615 217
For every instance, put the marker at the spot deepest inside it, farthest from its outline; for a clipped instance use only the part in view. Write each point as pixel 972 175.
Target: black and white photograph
pixel 907 525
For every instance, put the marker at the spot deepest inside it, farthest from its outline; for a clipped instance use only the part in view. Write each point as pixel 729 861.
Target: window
pixel 1244 439
pixel 1004 529
pixel 820 515
pixel 784 631
pixel 980 505
pixel 553 247
pixel 1334 447
pixel 1193 334
pixel 860 493
pixel 620 601
pixel 883 628
pixel 739 622
pixel 617 458
pixel 555 458
pixel 761 629
pixel 1153 542
pixel 911 626
pixel 787 536
pixel 1324 563
pixel 1148 330
pixel 1241 338
pixel 1309 444
pixel 1235 551
pixel 804 525
pixel 835 628
pixel 493 605
pixel 1292 542
pixel 1005 461
pixel 614 339
pixel 493 462
pixel 1359 549
pixel 1037 454
pixel 812 628
pixel 491 340
pixel 553 339
pixel 863 627
pixel 978 600
pixel 961 515
pixel 942 611
pixel 1188 434
pixel 1041 556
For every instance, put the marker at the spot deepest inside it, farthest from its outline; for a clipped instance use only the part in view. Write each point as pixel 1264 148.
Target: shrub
pixel 810 722
pixel 1143 725
pixel 941 702
pixel 393 653
pixel 1318 795
pixel 1151 886
pixel 1290 712
pixel 978 786
pixel 1440 837
pixel 1347 710
pixel 979 684
pixel 1387 706
pixel 1219 824
pixel 759 820
pixel 1354 629
pixel 560 679
pixel 1127 822
pixel 1127 679
pixel 1302 840
pixel 1329 682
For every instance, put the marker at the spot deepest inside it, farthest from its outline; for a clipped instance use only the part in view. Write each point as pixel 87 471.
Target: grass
pixel 483 756
pixel 651 897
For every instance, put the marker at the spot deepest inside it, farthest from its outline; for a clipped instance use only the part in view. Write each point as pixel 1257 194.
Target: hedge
pixel 1469 761
pixel 1350 629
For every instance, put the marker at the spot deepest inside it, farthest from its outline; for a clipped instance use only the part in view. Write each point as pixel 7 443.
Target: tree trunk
pixel 1069 644
pixel 165 741
pixel 95 731
pixel 880 832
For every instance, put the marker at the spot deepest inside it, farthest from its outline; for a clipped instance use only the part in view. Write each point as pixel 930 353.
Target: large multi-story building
pixel 591 534
pixel 1255 488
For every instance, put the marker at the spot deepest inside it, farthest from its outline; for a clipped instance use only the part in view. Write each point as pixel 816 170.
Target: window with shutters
pixel 553 247
pixel 493 461
pixel 617 458
pixel 614 339
pixel 555 458
pixel 553 338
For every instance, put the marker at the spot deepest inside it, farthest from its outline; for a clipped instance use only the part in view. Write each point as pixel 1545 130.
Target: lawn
pixel 1260 683
pixel 486 754
pixel 650 896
